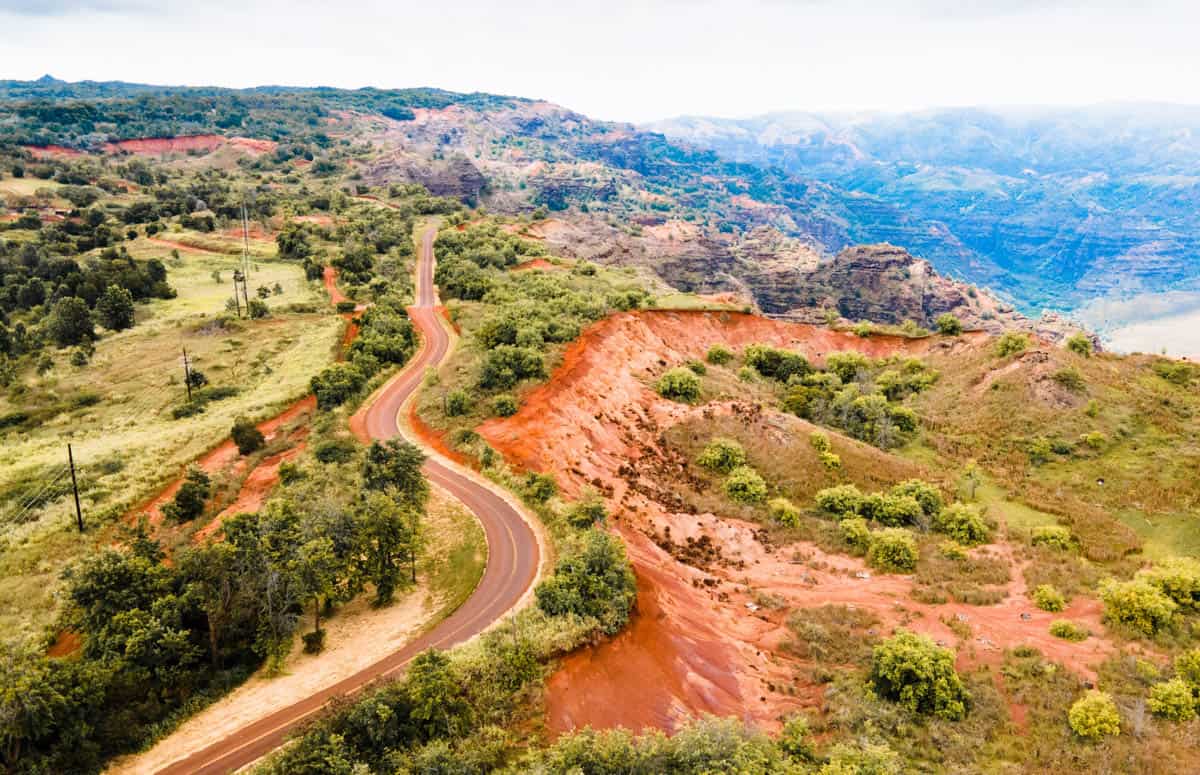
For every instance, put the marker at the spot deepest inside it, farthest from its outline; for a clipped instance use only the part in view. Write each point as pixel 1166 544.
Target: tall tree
pixel 388 535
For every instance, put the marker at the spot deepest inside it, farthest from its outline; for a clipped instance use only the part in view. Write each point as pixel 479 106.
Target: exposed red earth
pixel 51 151
pixel 512 562
pixel 536 263
pixel 698 643
pixel 161 145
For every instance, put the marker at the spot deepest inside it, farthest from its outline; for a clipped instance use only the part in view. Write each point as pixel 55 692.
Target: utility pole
pixel 187 375
pixel 237 301
pixel 75 487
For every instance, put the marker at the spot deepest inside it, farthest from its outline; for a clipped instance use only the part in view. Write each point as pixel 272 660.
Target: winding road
pixel 512 562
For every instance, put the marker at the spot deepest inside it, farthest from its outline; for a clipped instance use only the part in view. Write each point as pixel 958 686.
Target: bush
pixel 719 355
pixel 913 671
pixel 948 325
pixel 345 307
pixel 893 549
pixel 1047 598
pixel 258 309
pixel 1137 604
pixel 587 513
pixel 1071 379
pixel 540 488
pixel 784 512
pixel 457 403
pixel 723 455
pixel 744 485
pixel 893 510
pixel 1179 579
pixel 747 374
pixel 842 501
pixel 820 442
pixel 314 642
pixel 1011 343
pixel 679 384
pixel 1172 700
pixel 335 451
pixel 115 308
pixel 596 582
pixel 1080 345
pixel 776 363
pixel 1094 716
pixel 952 550
pixel 855 533
pixel 247 437
pixel 336 384
pixel 506 365
pixel 70 322
pixel 698 368
pixel 505 405
pixel 190 498
pixel 964 523
pixel 1068 630
pixel 1054 537
pixel 925 493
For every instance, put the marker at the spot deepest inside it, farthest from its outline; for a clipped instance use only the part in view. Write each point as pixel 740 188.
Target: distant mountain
pixel 1053 207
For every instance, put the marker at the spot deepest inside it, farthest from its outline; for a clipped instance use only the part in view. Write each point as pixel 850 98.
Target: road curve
pixel 513 552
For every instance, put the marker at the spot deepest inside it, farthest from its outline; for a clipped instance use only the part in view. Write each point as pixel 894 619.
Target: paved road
pixel 511 564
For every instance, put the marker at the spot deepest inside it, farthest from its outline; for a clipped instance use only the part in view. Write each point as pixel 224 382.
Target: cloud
pixel 69 8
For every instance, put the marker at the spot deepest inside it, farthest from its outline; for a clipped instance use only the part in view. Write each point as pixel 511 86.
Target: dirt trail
pixel 700 643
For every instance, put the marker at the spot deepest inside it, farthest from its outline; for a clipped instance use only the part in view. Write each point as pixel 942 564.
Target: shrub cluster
pixel 913 671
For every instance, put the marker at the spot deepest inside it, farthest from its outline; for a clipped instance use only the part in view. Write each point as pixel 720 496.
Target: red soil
pixel 52 151
pixel 180 246
pixel 159 145
pixel 66 644
pixel 537 263
pixel 329 278
pixel 699 644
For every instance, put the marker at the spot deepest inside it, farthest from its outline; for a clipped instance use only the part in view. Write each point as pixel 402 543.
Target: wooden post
pixel 75 488
pixel 187 376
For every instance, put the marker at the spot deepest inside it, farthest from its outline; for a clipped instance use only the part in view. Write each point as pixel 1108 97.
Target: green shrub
pixel 1094 440
pixel 1047 598
pixel 952 550
pixel 336 384
pixel 847 365
pixel 744 485
pixel 595 582
pixel 855 533
pixel 1187 667
pixel 679 384
pixel 1137 604
pixel 587 513
pixel 1172 700
pixel 820 442
pixel 719 355
pixel 1068 630
pixel 830 461
pixel 697 367
pixel 913 671
pixel 1011 343
pixel 506 365
pixel 964 523
pixel 893 510
pixel 1178 578
pixel 927 495
pixel 893 549
pixel 505 405
pixel 1080 345
pixel 723 455
pixel 776 363
pixel 746 374
pixel 191 497
pixel 841 501
pixel 1094 716
pixel 540 488
pixel 784 512
pixel 247 437
pixel 457 403
pixel 335 451
pixel 1054 537
pixel 1071 379
pixel 948 325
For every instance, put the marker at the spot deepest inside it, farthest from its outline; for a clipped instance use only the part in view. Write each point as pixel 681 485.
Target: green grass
pixel 457 552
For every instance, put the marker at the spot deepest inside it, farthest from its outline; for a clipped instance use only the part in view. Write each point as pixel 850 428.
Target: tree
pixel 438 703
pixel 948 325
pixel 69 322
pixel 928 496
pixel 722 455
pixel 318 569
pixel 246 436
pixel 388 533
pixel 971 478
pixel 1094 716
pixel 744 485
pixel 31 706
pixel 115 308
pixel 396 465
pixel 1137 604
pixel 964 523
pixel 595 582
pixel 506 365
pixel 211 579
pixel 190 498
pixel 1178 578
pixel 842 501
pixel 679 384
pixel 915 672
pixel 893 549
pixel 1048 598
pixel 336 384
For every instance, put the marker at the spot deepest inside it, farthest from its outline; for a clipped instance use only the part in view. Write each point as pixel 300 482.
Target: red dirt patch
pixel 67 643
pixel 52 151
pixel 700 643
pixel 537 263
pixel 159 145
pixel 182 247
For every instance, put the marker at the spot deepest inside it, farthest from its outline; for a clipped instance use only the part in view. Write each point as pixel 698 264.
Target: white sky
pixel 633 61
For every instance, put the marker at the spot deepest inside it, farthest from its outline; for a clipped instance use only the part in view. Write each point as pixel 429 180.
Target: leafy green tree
pixel 844 500
pixel 70 322
pixel 31 706
pixel 457 403
pixel 506 365
pixel 336 384
pixel 594 582
pixel 395 465
pixel 1094 716
pixel 744 485
pixel 869 759
pixel 679 384
pixel 913 671
pixel 211 579
pixel 848 365
pixel 115 308
pixel 1178 578
pixel 191 497
pixel 964 523
pixel 318 568
pixel 1172 700
pixel 928 496
pixel 388 538
pixel 588 512
pixel 893 549
pixel 438 703
pixel 723 455
pixel 247 436
pixel 539 488
pixel 948 325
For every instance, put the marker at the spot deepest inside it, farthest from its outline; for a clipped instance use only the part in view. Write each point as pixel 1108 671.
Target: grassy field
pixel 117 414
pixel 456 552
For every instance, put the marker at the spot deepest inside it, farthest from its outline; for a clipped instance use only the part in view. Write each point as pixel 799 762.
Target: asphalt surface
pixel 512 562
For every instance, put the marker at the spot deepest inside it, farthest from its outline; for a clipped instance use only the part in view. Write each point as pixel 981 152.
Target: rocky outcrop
pixel 455 177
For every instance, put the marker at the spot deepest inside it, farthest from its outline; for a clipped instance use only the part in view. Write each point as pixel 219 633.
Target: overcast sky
pixel 635 61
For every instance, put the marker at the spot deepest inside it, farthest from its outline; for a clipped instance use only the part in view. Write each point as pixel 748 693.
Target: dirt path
pixel 512 563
